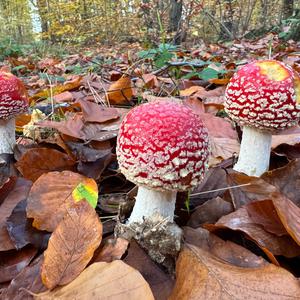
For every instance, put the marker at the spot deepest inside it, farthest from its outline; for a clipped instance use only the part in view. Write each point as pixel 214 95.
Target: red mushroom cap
pixel 264 94
pixel 13 96
pixel 163 145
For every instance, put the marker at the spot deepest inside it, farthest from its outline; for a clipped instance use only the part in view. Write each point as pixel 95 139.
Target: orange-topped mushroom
pixel 13 101
pixel 263 97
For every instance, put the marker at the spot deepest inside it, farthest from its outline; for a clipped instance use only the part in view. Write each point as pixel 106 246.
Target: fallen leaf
pixel 222 148
pixel 72 245
pixel 210 212
pixel 202 276
pixel 289 215
pixel 241 221
pixel 17 194
pixel 38 161
pixel 57 89
pixel 286 180
pixel 161 283
pixel 290 137
pixel 63 97
pixel 114 280
pixel 191 90
pixel 93 112
pixel 6 187
pixel 12 262
pixel 88 191
pixel 227 251
pixel 29 279
pixel 120 92
pixel 112 249
pixel 50 196
pixel 22 232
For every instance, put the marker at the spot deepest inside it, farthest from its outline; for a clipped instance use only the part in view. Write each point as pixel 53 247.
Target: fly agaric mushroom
pixel 13 101
pixel 163 148
pixel 263 97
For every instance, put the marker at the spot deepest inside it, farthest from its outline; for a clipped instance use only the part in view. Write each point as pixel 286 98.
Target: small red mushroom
pixel 263 97
pixel 163 148
pixel 13 101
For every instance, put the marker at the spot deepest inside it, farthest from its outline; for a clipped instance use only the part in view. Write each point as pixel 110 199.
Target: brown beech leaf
pixel 264 213
pixel 50 196
pixel 93 112
pixel 210 212
pixel 249 188
pixel 160 282
pixel 289 214
pixel 12 262
pixel 192 90
pixel 202 276
pixel 113 249
pixel 6 187
pixel 290 137
pixel 72 245
pixel 222 148
pixel 240 220
pixel 218 127
pixel 16 195
pixel 74 126
pixel 28 279
pixel 286 180
pixel 38 161
pixel 227 251
pixel 22 232
pixel 115 280
pixel 120 92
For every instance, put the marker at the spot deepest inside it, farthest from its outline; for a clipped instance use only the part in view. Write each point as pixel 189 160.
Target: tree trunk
pixel 175 15
pixel 287 8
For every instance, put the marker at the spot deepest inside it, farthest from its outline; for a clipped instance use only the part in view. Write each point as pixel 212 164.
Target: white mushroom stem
pixel 149 203
pixel 7 135
pixel 255 152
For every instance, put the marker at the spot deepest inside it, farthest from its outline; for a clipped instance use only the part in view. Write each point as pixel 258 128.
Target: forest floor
pixel 241 234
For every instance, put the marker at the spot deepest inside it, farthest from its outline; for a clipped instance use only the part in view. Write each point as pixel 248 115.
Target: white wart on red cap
pixel 13 96
pixel 265 95
pixel 163 145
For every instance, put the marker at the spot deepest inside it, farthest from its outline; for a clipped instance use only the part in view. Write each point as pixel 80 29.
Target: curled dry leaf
pixel 35 162
pixel 113 249
pixel 222 148
pixel 120 92
pixel 227 251
pixel 203 276
pixel 16 195
pixel 29 279
pixel 20 229
pixel 51 195
pixel 93 112
pixel 114 280
pixel 270 243
pixel 286 180
pixel 160 282
pixel 210 212
pixel 72 245
pixel 12 262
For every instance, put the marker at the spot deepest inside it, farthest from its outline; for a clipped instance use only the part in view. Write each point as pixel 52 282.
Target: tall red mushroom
pixel 162 147
pixel 263 97
pixel 13 101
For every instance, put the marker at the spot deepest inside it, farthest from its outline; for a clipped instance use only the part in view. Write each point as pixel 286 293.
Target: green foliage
pixel 160 56
pixel 9 48
pixel 291 28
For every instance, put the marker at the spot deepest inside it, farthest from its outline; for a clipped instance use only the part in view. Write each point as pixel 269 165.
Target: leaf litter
pixel 241 234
